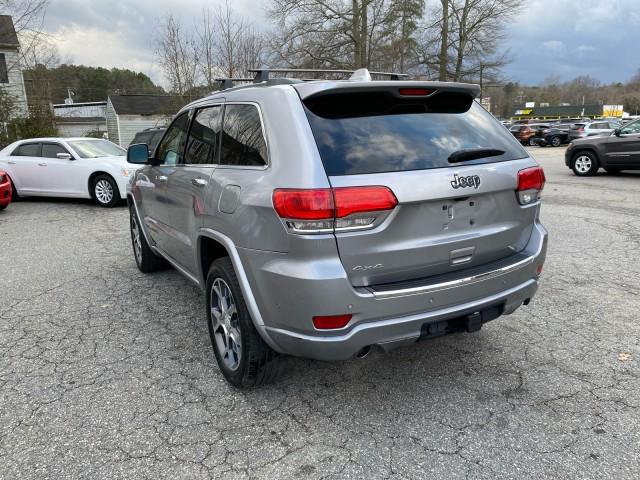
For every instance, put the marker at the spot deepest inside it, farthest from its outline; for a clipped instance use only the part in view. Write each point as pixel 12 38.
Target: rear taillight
pixel 333 209
pixel 530 184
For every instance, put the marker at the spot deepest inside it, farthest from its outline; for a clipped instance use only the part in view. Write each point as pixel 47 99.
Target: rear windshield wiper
pixel 473 154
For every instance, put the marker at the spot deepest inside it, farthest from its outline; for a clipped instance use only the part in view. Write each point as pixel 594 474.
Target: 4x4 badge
pixel 464 182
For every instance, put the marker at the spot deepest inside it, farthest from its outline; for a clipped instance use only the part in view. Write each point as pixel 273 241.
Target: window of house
pixel 242 137
pixel 4 71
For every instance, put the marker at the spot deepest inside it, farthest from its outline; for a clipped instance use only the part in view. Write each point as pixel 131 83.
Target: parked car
pixel 301 210
pixel 5 190
pixel 554 136
pixel 616 152
pixel 526 133
pixel 150 136
pixel 68 167
pixel 590 129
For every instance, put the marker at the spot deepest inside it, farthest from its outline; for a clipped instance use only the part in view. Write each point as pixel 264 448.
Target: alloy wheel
pixel 137 242
pixel 583 164
pixel 103 191
pixel 225 322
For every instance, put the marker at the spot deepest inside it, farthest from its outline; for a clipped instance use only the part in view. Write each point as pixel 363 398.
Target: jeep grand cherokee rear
pixel 386 212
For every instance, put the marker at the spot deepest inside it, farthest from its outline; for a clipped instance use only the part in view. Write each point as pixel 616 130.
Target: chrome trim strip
pixel 480 277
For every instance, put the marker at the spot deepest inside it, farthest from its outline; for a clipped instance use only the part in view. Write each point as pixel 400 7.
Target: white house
pixel 81 119
pixel 130 114
pixel 11 79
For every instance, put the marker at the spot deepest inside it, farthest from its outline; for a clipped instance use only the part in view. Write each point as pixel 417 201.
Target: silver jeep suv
pixel 325 218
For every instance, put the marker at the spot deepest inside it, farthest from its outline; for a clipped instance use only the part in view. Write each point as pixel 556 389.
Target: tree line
pixel 445 39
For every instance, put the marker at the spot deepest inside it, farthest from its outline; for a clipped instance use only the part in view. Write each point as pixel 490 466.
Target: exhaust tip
pixel 364 352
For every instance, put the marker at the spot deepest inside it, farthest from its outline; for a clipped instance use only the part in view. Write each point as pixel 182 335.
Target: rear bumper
pixel 288 294
pixel 395 332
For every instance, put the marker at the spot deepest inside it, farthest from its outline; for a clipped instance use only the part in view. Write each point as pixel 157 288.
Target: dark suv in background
pixel 150 137
pixel 616 152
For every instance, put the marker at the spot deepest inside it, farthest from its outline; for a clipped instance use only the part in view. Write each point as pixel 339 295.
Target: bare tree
pixel 230 44
pixel 28 19
pixel 341 33
pixel 444 42
pixel 478 28
pixel 179 55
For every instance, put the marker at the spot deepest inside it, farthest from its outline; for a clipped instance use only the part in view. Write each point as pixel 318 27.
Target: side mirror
pixel 617 132
pixel 138 154
pixel 64 156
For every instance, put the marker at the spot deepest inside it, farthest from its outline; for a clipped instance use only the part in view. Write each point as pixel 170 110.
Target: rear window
pixel 415 134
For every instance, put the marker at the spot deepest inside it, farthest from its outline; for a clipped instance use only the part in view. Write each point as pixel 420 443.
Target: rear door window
pixel 27 150
pixel 243 142
pixel 359 139
pixel 204 138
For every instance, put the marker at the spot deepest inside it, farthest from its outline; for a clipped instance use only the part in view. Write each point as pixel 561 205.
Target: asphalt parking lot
pixel 108 373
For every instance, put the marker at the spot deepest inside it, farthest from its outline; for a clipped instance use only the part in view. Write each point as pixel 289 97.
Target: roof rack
pixel 262 74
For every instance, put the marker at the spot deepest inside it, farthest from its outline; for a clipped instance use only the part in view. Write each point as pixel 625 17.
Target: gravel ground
pixel 108 373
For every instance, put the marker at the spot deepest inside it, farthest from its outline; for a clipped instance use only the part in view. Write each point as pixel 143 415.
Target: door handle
pixel 199 182
pixel 42 164
pixel 11 163
pixel 162 178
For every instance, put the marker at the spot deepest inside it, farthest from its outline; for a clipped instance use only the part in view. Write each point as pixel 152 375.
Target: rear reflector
pixel 331 321
pixel 416 92
pixel 530 183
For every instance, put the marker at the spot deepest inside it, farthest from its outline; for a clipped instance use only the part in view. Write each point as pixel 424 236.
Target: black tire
pixel 612 170
pixel 146 260
pixel 256 363
pixel 104 191
pixel 2 207
pixel 556 142
pixel 585 164
pixel 14 192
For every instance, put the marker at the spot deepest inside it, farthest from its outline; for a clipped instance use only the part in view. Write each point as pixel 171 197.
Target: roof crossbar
pixel 229 82
pixel 262 74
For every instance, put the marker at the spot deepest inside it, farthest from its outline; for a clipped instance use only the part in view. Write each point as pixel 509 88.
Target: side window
pixel 202 146
pixel 27 150
pixel 170 150
pixel 631 128
pixel 242 137
pixel 4 71
pixel 51 150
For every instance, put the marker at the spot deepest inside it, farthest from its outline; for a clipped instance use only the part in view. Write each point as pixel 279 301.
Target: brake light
pixel 350 200
pixel 530 183
pixel 331 321
pixel 330 209
pixel 415 92
pixel 304 204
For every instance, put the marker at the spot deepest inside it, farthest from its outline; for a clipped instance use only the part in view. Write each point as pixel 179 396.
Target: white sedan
pixel 68 167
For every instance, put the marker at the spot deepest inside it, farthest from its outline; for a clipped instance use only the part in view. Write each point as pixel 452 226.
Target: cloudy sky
pixel 564 38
